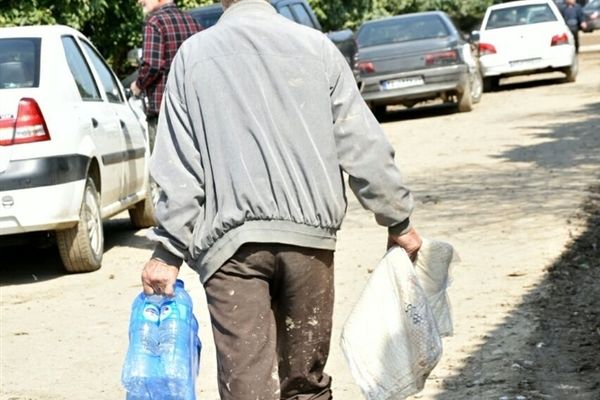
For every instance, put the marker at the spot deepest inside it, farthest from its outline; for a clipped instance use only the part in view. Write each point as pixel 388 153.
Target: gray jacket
pixel 259 119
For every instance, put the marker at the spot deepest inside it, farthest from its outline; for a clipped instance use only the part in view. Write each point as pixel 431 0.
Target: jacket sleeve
pixel 176 167
pixel 152 56
pixel 363 150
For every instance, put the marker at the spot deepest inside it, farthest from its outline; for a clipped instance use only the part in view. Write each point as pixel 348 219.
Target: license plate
pixel 402 83
pixel 525 62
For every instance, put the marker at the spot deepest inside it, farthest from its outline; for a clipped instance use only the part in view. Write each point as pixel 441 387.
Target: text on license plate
pixel 402 83
pixel 522 63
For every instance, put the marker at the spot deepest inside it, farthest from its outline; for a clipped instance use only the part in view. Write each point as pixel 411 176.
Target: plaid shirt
pixel 165 30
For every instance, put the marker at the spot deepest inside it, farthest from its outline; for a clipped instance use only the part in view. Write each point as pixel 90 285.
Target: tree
pixel 114 27
pixel 338 14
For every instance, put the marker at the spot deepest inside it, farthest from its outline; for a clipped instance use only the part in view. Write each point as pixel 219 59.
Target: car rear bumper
pixel 41 194
pixel 494 65
pixel 436 81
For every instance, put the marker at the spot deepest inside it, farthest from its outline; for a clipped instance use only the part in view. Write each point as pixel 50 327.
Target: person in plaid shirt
pixel 165 29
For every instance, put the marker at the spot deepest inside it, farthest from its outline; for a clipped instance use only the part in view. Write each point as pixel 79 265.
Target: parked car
pixel 525 37
pixel 208 15
pixel 592 15
pixel 410 58
pixel 72 150
pixel 296 10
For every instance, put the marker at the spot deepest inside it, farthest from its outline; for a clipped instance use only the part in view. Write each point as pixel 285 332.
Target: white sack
pixel 391 339
pixel 433 273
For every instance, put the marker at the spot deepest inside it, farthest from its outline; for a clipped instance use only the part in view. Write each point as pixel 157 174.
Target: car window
pixel 207 18
pixel 286 12
pixel 111 88
pixel 593 4
pixel 398 30
pixel 80 70
pixel 520 15
pixel 302 15
pixel 19 63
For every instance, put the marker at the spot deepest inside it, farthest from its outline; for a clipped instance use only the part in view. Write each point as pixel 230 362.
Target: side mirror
pixel 134 57
pixel 474 37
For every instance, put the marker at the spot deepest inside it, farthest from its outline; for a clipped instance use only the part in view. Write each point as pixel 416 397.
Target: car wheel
pixel 81 247
pixel 571 72
pixel 465 101
pixel 142 214
pixel 476 87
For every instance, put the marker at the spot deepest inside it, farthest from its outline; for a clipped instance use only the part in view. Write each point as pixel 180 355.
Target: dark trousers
pixel 271 309
pixel 152 122
pixel 576 37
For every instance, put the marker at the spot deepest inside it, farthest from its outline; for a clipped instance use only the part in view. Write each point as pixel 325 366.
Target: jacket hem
pixel 285 232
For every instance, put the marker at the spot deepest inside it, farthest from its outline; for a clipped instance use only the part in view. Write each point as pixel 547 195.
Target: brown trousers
pixel 271 309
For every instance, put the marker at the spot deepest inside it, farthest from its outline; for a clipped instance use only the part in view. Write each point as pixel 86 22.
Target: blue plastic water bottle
pixel 179 346
pixel 142 368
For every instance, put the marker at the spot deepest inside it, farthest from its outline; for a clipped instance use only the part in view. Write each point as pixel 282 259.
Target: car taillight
pixel 365 67
pixel 29 126
pixel 441 58
pixel 486 48
pixel 559 39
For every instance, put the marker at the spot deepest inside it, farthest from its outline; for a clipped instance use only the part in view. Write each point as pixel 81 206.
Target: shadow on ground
pixel 564 145
pixel 558 322
pixel 39 260
pixel 531 82
pixel 426 110
pixel 546 178
pixel 558 359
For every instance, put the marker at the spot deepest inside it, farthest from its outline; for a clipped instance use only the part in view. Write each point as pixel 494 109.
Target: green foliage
pixel 115 26
pixel 338 14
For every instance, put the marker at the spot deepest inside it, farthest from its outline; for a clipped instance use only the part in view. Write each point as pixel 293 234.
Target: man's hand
pixel 410 241
pixel 135 89
pixel 159 278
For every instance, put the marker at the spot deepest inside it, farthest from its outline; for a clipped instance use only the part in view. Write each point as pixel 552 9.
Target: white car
pixel 522 38
pixel 72 151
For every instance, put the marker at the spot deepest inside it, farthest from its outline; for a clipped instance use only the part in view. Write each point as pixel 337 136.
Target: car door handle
pixel 94 122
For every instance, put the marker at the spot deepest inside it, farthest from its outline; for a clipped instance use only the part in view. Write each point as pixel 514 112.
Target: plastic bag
pixel 391 339
pixel 432 268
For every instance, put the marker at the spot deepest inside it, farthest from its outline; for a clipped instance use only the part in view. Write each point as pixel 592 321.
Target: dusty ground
pixel 508 184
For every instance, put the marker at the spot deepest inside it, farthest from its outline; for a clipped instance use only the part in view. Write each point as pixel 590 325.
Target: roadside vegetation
pixel 115 26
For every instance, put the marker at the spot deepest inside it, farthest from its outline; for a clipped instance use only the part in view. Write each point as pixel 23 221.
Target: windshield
pixel 19 63
pixel 521 15
pixel 593 4
pixel 207 18
pixel 401 30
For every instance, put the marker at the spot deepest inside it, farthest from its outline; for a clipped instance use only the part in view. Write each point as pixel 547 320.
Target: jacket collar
pixel 248 7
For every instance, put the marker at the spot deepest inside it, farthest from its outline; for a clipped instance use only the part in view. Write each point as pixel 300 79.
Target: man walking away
pixel 260 118
pixel 165 28
pixel 575 19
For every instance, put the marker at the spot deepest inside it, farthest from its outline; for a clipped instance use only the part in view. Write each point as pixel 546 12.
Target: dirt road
pixel 505 184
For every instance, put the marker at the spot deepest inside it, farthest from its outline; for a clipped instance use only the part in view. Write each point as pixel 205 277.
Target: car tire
pixel 491 83
pixel 142 213
pixel 464 100
pixel 571 72
pixel 81 247
pixel 476 87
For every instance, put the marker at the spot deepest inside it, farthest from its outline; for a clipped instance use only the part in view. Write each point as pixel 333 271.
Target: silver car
pixel 413 58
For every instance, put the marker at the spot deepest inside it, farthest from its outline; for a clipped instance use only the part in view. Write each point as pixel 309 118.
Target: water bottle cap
pixel 179 283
